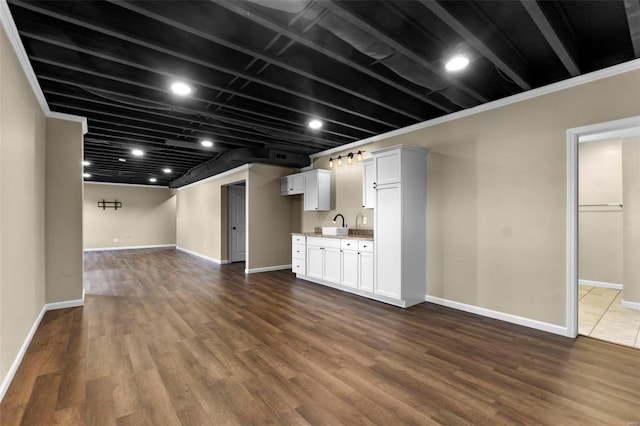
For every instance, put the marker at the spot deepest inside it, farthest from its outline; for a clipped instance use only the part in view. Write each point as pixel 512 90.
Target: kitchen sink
pixel 335 230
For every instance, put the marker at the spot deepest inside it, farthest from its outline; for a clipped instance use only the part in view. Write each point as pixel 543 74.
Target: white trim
pixel 130 247
pixel 600 284
pixel 624 133
pixel 514 319
pixel 573 137
pixel 70 117
pixel 530 94
pixel 64 305
pixel 125 184
pixel 210 259
pixel 630 305
pixel 6 382
pixel 267 269
pixel 219 176
pixel 14 38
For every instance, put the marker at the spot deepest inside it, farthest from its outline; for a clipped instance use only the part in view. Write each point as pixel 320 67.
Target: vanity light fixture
pixel 350 158
pixel 339 161
pixel 330 163
pixel 180 88
pixel 315 124
pixel 457 63
pixel 359 156
pixel 137 152
pixel 206 143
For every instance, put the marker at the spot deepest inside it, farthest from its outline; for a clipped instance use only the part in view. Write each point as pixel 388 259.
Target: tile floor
pixel 601 315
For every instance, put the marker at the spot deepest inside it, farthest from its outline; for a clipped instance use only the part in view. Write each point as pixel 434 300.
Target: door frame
pixel 573 140
pixel 229 221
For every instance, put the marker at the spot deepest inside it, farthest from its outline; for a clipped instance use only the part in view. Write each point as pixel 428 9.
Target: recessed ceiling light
pixel 457 63
pixel 86 175
pixel 137 152
pixel 315 124
pixel 153 180
pixel 122 160
pixel 180 88
pixel 206 143
pixel 166 170
pixel 86 163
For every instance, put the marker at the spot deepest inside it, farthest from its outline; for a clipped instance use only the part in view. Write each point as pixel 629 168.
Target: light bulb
pixel 339 161
pixel 330 163
pixel 359 156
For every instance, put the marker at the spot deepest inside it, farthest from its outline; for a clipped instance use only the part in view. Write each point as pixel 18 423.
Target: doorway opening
pixel 237 222
pixel 602 179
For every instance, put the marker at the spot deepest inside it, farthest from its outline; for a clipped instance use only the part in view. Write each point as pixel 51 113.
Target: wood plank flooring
pixel 165 338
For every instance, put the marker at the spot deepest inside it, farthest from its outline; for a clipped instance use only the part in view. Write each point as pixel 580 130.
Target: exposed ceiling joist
pixel 300 38
pixel 543 24
pixel 478 44
pixel 632 9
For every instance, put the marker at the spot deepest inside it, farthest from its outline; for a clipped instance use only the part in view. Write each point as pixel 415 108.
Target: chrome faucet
pixel 336 216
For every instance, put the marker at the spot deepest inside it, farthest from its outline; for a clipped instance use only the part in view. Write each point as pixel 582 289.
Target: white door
pixel 388 247
pixel 237 223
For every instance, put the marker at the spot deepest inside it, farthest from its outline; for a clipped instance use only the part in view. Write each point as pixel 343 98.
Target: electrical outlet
pixel 364 220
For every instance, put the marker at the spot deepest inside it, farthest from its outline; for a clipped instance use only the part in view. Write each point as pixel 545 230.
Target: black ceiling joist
pixel 632 9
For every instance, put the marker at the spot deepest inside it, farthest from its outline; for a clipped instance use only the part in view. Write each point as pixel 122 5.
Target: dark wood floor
pixel 166 338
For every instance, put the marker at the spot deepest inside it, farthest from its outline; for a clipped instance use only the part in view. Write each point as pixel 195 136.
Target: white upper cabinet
pixel 368 179
pixel 387 167
pixel 314 184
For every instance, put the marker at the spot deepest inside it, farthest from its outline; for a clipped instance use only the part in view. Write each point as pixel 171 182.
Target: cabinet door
pixel 285 185
pixel 310 191
pixel 365 268
pixel 368 179
pixel 315 261
pixel 297 183
pixel 349 268
pixel 332 265
pixel 387 168
pixel 388 245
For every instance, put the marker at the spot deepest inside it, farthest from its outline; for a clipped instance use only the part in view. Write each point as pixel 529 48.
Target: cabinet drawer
pixel 298 239
pixel 298 251
pixel 299 266
pixel 324 242
pixel 347 244
pixel 365 245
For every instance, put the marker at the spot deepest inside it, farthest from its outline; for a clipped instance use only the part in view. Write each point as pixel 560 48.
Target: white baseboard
pixel 600 284
pixel 267 269
pixel 4 386
pixel 630 305
pixel 202 256
pixel 514 319
pixel 130 247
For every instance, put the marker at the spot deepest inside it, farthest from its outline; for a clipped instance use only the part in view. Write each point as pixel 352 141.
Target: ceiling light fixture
pixel 206 143
pixel 180 88
pixel 315 124
pixel 330 163
pixel 457 63
pixel 153 180
pixel 122 160
pixel 137 152
pixel 86 163
pixel 86 175
pixel 166 170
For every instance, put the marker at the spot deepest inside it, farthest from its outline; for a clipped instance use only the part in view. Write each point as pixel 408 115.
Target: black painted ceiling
pixel 261 69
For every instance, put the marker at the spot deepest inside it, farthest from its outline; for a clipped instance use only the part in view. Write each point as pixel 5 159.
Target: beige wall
pixel 600 228
pixel 496 195
pixel 63 216
pixel 202 217
pixel 22 207
pixel 631 199
pixel 147 216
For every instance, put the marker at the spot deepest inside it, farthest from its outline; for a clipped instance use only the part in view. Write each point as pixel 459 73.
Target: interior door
pixel 237 223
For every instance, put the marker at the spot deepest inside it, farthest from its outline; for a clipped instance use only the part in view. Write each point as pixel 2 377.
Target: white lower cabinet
pixel 323 259
pixel 349 268
pixel 365 266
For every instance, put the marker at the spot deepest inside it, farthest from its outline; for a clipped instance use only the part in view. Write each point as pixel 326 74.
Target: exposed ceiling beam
pixel 269 59
pixel 543 24
pixel 182 56
pixel 353 19
pixel 266 22
pixel 632 8
pixel 478 44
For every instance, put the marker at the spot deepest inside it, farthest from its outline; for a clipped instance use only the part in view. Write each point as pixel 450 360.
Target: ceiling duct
pixel 237 157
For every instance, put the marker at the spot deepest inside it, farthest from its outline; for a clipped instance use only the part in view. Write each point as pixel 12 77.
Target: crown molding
pixel 530 94
pixel 6 19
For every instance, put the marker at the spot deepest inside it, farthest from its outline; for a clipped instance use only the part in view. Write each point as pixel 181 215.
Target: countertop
pixel 342 237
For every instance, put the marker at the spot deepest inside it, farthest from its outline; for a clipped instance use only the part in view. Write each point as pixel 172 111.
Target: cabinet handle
pixel 363 206
pixel 364 246
pixel 321 248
